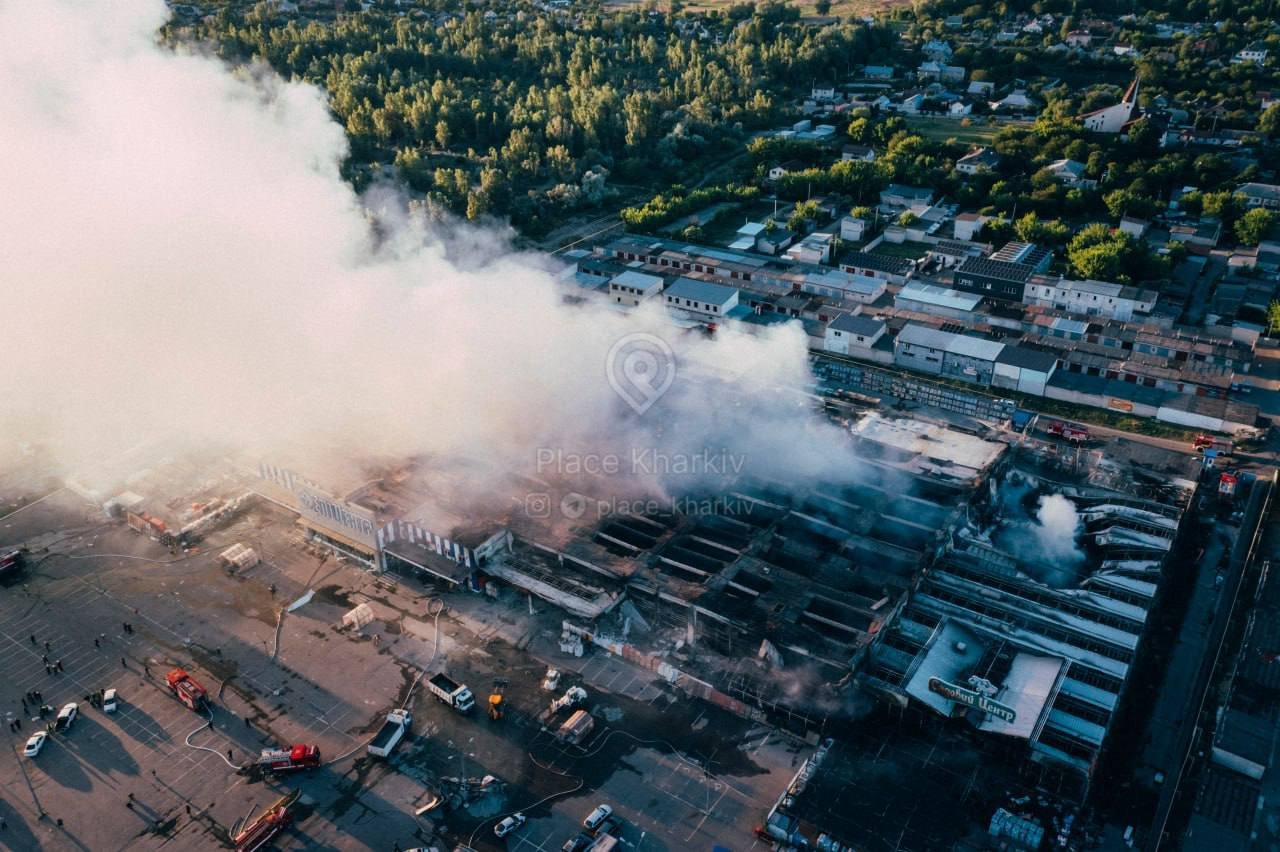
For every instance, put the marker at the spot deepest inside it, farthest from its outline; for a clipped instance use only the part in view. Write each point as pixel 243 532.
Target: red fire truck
pixel 188 689
pixel 1209 442
pixel 255 835
pixel 1072 434
pixel 289 759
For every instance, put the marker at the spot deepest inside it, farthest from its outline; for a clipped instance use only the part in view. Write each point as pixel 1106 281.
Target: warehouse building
pixel 943 353
pixel 939 301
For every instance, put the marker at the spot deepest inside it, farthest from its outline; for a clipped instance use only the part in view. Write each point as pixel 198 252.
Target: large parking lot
pixel 678 773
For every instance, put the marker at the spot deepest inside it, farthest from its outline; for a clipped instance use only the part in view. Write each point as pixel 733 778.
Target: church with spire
pixel 1117 117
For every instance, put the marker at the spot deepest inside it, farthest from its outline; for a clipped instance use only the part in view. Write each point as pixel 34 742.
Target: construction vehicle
pixel 496 708
pixel 289 759
pixel 1068 432
pixel 258 833
pixel 573 696
pixel 188 690
pixel 391 732
pixel 455 694
pixel 576 727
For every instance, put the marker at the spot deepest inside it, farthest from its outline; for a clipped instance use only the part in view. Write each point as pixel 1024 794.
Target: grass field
pixel 941 129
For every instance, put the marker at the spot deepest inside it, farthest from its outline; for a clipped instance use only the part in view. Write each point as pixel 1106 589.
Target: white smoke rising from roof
pixel 183 261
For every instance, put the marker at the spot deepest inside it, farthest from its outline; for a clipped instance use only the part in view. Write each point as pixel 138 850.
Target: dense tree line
pixel 506 113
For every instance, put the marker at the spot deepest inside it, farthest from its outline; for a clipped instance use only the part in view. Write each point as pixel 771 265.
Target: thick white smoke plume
pixel 181 260
pixel 1056 529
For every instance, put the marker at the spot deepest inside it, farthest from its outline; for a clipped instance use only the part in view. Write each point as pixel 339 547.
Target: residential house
pixel 911 103
pixel 852 333
pixel 864 153
pixel 774 240
pixel 937 50
pixel 1008 32
pixel 1079 38
pixel 978 161
pixel 700 299
pixel 878 72
pixel 785 169
pixel 1016 101
pixel 1091 298
pixel 1256 52
pixel 1134 227
pixel 1113 119
pixel 981 88
pixel 1205 233
pixel 967 225
pixel 630 288
pixel 954 22
pixel 1071 173
pixel 815 248
pixel 940 72
pixel 824 92
pixel 911 197
pixel 1261 195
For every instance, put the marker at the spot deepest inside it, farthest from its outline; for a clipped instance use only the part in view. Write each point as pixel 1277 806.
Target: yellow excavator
pixel 497 706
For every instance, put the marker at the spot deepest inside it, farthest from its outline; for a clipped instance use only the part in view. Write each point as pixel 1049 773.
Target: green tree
pixel 1269 122
pixel 1098 252
pixel 1273 317
pixel 1253 227
pixel 803 215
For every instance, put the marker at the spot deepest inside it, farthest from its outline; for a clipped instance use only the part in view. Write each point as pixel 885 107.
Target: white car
pixel 510 824
pixel 551 681
pixel 35 743
pixel 109 701
pixel 66 716
pixel 596 818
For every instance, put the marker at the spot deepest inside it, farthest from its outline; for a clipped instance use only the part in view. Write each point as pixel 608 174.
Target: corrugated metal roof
pixel 932 294
pixel 700 291
pixel 921 335
pixel 973 347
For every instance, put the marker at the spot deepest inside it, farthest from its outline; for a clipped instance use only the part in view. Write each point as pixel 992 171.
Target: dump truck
pixel 576 727
pixel 188 690
pixel 391 732
pixel 455 694
pixel 289 759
